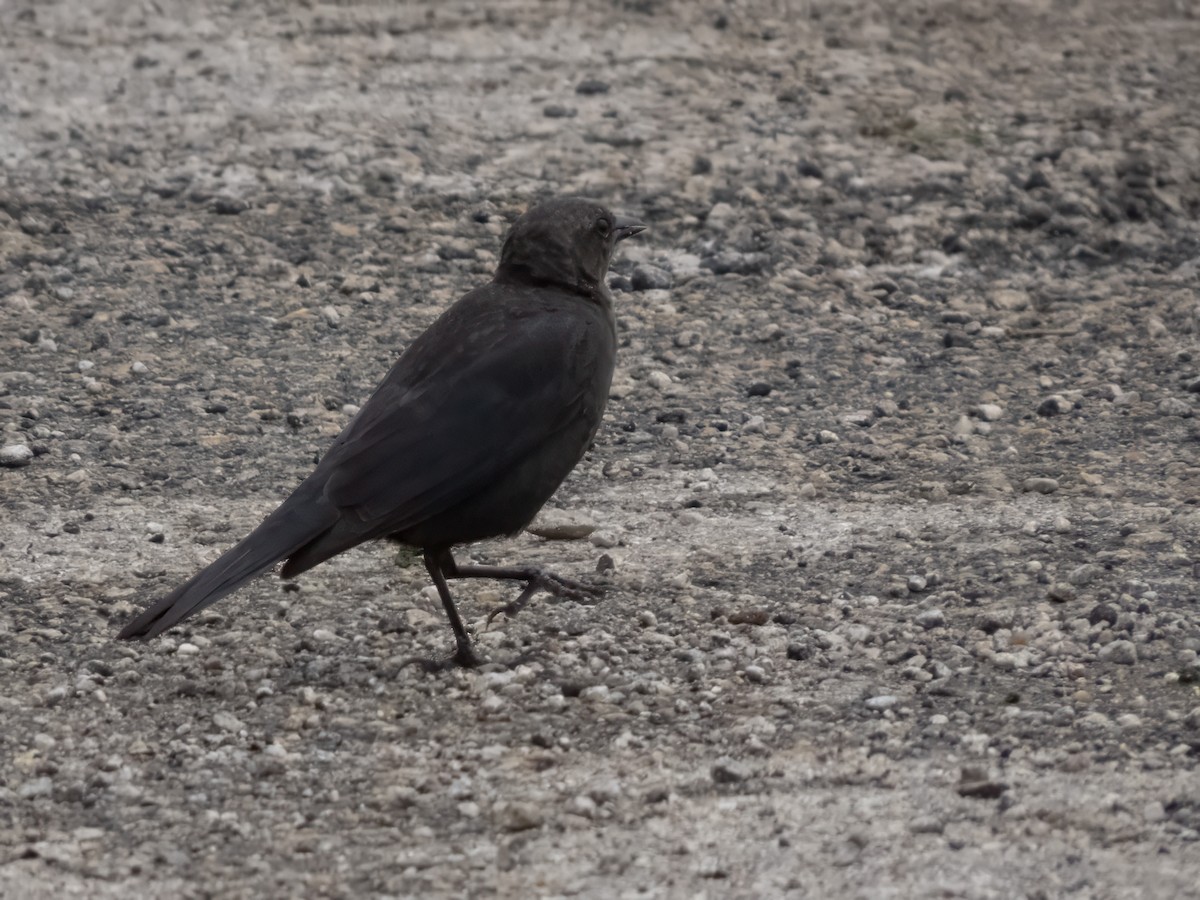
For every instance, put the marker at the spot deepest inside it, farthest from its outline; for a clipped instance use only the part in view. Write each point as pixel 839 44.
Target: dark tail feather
pixel 297 522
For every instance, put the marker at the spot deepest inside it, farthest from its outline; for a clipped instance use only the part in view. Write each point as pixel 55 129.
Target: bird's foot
pixel 464 657
pixel 556 585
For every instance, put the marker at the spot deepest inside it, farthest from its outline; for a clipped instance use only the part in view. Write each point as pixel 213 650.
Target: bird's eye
pixel 603 228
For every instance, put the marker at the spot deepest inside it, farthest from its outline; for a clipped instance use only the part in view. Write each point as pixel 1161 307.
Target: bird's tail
pixel 281 534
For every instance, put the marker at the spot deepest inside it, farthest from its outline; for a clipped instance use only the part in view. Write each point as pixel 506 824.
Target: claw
pixel 556 585
pixel 463 657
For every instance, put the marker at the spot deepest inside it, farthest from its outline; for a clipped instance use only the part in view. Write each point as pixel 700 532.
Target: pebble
pixel 755 674
pixel 1054 406
pixel 727 770
pixel 591 86
pixel 931 618
pixel 227 721
pixel 1123 652
pixel 917 583
pixel 559 525
pixel 1173 406
pixel 646 277
pixel 14 456
pixel 882 702
pixel 139 368
pixel 603 540
pixel 926 825
pixel 519 816
pixel 35 787
pixel 1040 485
pixel 989 412
pixel 1085 574
pixel 1061 592
pixel 660 381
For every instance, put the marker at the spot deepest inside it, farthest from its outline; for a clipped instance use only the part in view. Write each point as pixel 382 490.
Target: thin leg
pixel 464 654
pixel 535 580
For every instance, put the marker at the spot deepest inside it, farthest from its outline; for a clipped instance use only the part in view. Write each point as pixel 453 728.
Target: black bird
pixel 470 433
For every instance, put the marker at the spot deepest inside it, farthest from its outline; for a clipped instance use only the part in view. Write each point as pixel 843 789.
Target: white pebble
pixel 15 455
pixel 660 381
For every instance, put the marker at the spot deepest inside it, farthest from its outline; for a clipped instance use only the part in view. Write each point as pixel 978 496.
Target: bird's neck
pixel 545 273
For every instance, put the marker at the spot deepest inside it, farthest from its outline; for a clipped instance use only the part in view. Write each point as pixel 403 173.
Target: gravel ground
pixel 897 498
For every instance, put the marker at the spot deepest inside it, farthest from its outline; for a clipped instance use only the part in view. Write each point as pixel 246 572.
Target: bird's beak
pixel 623 228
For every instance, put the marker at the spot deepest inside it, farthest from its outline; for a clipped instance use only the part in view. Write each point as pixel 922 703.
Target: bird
pixel 472 430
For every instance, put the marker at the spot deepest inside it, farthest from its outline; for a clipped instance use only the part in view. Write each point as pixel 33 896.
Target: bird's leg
pixel 535 580
pixel 464 654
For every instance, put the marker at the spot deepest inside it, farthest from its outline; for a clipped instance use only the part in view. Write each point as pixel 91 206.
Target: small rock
pixel 604 540
pixel 1103 612
pixel 981 790
pixel 359 284
pixel 646 277
pixel 558 525
pixel 882 702
pixel 756 616
pixel 519 816
pixel 230 206
pixel 1040 485
pixel 1061 592
pixel 1085 574
pixel 926 825
pixel 989 412
pixel 799 651
pixel 557 111
pixel 755 674
pixel 139 368
pixel 591 86
pixel 35 787
pixel 1054 406
pixel 917 583
pixel 227 722
pixel 14 456
pixel 1173 406
pixel 728 771
pixel 931 618
pixel 1122 652
pixel 660 381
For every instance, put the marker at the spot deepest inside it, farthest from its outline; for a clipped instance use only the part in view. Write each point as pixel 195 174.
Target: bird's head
pixel 567 242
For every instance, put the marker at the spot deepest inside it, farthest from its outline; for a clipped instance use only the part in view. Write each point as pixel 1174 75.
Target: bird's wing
pixel 419 447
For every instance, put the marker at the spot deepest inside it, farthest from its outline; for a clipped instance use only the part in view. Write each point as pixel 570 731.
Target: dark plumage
pixel 470 433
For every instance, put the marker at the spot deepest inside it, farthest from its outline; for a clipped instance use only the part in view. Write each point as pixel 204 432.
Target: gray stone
pixel 14 456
